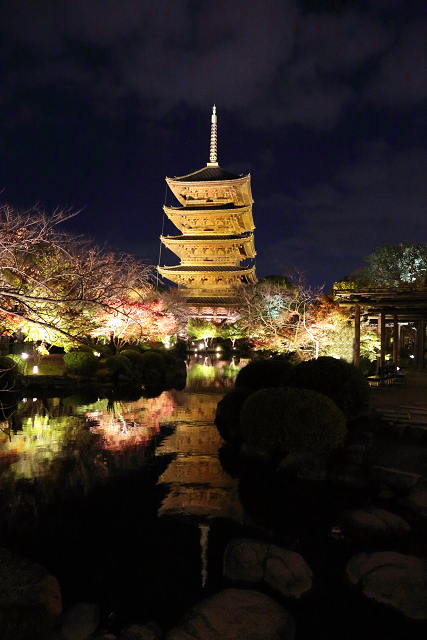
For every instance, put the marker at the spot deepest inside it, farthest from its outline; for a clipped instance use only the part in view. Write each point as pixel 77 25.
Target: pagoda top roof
pixel 208 174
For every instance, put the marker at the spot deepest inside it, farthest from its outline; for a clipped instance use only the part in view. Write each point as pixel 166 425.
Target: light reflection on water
pixel 55 449
pixel 108 437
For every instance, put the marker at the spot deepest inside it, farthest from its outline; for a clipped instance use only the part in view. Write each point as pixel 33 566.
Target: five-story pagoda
pixel 216 223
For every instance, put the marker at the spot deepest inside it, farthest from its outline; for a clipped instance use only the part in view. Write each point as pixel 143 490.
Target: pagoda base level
pixel 216 309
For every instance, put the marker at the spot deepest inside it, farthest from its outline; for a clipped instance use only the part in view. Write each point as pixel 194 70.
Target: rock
pixel 387 495
pixel 303 464
pixel 235 614
pixel 149 631
pixel 399 481
pixel 79 621
pixel 245 560
pixel 372 522
pixel 252 561
pixel 350 475
pixel 104 635
pixel 356 459
pixel 417 501
pixel 23 582
pixel 392 578
pixel 26 586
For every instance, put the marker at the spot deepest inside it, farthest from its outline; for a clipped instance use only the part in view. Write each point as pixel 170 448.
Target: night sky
pixel 322 101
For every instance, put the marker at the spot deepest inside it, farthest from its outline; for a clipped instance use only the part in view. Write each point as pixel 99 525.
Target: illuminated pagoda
pixel 216 224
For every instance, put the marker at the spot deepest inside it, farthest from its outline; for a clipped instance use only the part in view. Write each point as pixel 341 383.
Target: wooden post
pixel 421 327
pixel 395 339
pixel 382 320
pixel 356 346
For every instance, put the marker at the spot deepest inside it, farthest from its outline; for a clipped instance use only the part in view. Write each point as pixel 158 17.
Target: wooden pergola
pixel 395 305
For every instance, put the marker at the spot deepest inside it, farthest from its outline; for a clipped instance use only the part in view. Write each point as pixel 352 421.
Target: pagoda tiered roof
pixel 215 218
pixel 208 174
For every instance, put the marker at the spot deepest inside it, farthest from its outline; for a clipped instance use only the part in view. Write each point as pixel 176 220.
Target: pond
pixel 130 503
pixel 116 496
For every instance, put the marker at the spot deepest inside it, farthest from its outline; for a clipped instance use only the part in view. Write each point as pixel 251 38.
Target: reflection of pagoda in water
pixel 216 223
pixel 199 485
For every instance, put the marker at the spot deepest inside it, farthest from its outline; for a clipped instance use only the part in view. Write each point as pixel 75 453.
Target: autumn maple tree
pixel 54 285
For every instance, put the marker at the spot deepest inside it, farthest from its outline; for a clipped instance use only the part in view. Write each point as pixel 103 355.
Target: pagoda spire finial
pixel 213 155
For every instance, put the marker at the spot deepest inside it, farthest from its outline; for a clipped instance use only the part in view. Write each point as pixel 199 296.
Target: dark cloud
pixel 263 58
pixel 377 199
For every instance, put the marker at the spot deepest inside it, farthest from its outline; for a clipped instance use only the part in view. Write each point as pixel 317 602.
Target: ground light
pixel 35 369
pixel 24 356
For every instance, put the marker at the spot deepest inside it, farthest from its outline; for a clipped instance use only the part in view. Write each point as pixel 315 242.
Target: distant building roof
pixel 208 174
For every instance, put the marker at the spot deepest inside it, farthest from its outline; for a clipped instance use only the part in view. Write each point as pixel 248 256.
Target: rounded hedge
pixel 282 420
pixel 81 363
pixel 344 383
pixel 261 374
pixel 136 361
pixel 227 415
pixel 117 365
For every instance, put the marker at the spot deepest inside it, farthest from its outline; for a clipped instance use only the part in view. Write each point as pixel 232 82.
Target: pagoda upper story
pixel 216 223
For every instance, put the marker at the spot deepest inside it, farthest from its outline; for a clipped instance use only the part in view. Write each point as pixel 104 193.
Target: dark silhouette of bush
pixel 282 420
pixel 119 365
pixel 136 361
pixel 154 367
pixel 81 363
pixel 227 416
pixel 344 383
pixel 260 374
pixel 8 372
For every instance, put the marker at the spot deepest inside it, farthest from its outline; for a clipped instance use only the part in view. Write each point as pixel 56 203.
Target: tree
pixel 202 330
pixel 232 331
pixel 396 266
pixel 54 284
pixel 130 321
pixel 276 317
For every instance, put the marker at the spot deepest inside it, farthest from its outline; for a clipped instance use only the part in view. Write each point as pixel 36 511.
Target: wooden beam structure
pixel 396 305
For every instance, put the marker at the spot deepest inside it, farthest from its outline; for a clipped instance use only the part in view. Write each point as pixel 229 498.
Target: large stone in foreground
pixel 252 561
pixel 23 582
pixel 372 522
pixel 392 578
pixel 30 597
pixel 235 614
pixel 80 620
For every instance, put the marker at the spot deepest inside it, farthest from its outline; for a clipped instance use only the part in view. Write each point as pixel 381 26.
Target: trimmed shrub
pixel 282 420
pixel 81 363
pixel 260 374
pixel 8 372
pixel 136 361
pixel 227 416
pixel 117 365
pixel 154 367
pixel 344 383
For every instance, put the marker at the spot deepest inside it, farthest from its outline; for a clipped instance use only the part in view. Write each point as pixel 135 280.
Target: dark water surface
pixel 130 504
pixel 117 497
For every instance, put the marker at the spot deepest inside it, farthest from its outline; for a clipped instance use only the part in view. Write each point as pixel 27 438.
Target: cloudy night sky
pixel 322 101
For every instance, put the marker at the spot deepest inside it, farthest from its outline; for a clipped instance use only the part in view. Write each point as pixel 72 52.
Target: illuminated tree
pixel 232 331
pixel 128 321
pixel 53 284
pixel 396 266
pixel 202 330
pixel 276 317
